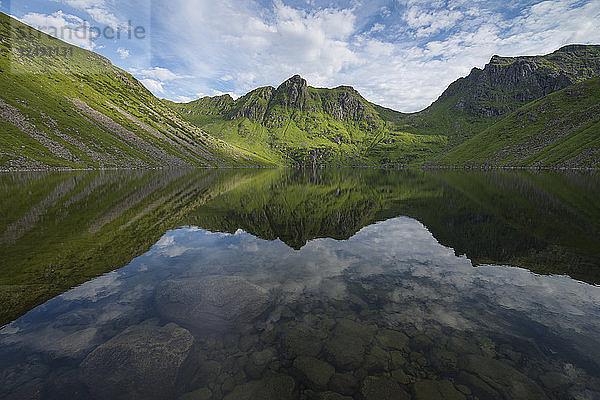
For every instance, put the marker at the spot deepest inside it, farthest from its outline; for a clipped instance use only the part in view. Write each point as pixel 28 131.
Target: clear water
pixel 332 284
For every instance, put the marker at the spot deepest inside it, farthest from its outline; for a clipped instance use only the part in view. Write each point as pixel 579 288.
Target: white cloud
pixel 258 49
pixel 157 80
pixel 66 27
pixel 213 93
pixel 404 60
pixel 99 10
pixel 153 85
pixel 183 99
pixel 162 74
pixel 123 53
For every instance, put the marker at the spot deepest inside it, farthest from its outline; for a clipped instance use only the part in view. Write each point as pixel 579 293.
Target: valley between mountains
pixel 75 109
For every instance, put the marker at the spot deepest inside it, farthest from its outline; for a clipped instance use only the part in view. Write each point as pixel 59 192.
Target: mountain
pixel 295 123
pixel 65 107
pixel 560 130
pixel 300 124
pixel 486 96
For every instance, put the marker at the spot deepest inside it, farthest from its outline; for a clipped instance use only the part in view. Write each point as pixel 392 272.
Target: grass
pixel 334 127
pixel 562 129
pixel 40 88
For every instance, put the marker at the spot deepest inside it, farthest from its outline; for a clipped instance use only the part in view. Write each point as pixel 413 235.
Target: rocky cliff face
pixel 506 83
pixel 292 93
pixel 253 106
pixel 267 104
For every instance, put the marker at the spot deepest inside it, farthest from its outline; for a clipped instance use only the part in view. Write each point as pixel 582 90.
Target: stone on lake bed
pixel 347 327
pixel 263 357
pixel 214 303
pixel 141 362
pixel 393 340
pixel 273 386
pixel 503 378
pixel 346 347
pixel 302 342
pixel 332 396
pixel 317 373
pixel 345 352
pixel 436 390
pixel 346 384
pixel 200 394
pixel 382 388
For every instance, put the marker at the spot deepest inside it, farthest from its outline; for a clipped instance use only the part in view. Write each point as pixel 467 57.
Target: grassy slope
pixel 478 101
pixel 314 134
pixel 39 89
pixel 562 129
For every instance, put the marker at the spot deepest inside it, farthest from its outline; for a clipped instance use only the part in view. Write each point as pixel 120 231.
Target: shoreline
pixel 424 167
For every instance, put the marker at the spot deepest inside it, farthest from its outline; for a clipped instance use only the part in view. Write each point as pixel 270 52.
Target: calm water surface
pixel 285 284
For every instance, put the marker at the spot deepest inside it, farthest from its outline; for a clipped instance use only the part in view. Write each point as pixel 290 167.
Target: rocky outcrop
pixel 213 303
pixel 506 83
pixel 292 93
pixel 141 362
pixel 253 106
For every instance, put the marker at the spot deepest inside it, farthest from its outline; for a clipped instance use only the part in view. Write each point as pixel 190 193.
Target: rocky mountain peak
pixel 293 92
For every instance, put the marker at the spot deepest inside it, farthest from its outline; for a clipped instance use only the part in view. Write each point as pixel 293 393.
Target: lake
pixel 300 284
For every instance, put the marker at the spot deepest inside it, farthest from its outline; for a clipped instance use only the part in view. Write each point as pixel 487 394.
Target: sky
pixel 399 54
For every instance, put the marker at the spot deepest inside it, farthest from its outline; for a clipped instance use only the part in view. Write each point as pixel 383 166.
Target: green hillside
pixel 486 96
pixel 560 130
pixel 298 124
pixel 65 107
pixel 62 106
pixel 295 123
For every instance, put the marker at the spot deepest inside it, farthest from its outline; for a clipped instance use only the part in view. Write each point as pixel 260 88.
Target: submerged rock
pixel 436 390
pixel 345 352
pixel 200 394
pixel 382 388
pixel 501 377
pixel 332 396
pixel 346 384
pixel 346 347
pixel 315 372
pixel 302 342
pixel 377 360
pixel 392 340
pixel 211 302
pixel 274 386
pixel 141 362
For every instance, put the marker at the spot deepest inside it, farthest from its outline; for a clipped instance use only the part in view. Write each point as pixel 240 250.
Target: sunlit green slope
pixel 62 106
pixel 298 124
pixel 560 130
pixel 486 96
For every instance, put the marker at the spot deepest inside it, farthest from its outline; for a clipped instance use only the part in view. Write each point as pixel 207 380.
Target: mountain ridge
pixel 301 124
pixel 473 103
pixel 77 110
pixel 74 109
pixel 466 108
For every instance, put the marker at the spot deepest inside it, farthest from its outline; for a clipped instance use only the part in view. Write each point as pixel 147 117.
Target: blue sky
pixel 401 54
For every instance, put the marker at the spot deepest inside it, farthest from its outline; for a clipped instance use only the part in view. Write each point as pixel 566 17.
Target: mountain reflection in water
pixel 333 284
